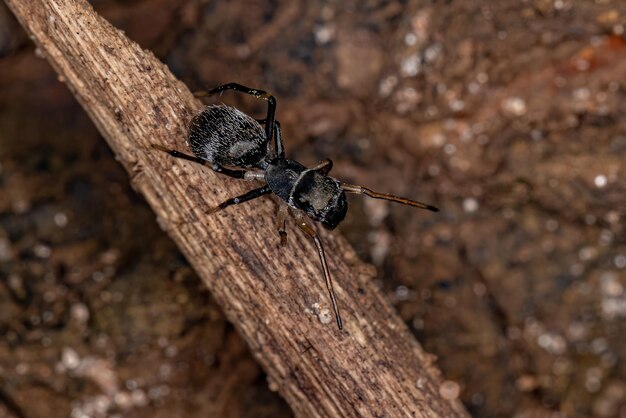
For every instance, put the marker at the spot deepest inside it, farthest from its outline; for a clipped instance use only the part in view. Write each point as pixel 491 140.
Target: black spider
pixel 232 143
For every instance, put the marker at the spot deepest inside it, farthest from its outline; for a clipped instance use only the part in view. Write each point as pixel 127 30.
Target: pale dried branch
pixel 373 368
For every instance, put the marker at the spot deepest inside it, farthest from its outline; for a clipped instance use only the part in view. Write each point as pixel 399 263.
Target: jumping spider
pixel 232 143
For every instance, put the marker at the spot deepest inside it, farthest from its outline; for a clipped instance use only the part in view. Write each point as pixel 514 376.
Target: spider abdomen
pixel 226 136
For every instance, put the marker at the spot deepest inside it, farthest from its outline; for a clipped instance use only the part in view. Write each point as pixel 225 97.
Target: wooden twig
pixel 373 368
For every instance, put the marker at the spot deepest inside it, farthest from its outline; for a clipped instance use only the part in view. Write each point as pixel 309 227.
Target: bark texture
pixel 272 294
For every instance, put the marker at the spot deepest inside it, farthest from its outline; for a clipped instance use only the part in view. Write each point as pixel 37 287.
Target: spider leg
pixel 351 188
pixel 308 229
pixel 238 174
pixel 278 138
pixel 252 194
pixel 323 166
pixel 280 223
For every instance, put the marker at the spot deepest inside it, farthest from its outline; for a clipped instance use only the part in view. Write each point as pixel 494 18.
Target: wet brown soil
pixel 510 116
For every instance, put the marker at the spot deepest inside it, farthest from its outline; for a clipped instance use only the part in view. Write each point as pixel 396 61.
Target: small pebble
pixel 449 390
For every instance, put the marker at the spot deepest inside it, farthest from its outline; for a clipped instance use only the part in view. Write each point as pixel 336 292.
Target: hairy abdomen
pixel 226 136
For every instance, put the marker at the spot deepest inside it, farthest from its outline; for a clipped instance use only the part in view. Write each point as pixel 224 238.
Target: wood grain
pixel 373 368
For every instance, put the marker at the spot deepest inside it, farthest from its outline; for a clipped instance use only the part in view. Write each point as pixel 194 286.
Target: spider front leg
pixel 352 188
pixel 305 225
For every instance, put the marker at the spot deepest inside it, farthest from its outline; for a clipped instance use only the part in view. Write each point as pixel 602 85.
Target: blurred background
pixel 510 116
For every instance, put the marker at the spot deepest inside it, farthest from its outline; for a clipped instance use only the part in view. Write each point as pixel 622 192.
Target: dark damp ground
pixel 510 116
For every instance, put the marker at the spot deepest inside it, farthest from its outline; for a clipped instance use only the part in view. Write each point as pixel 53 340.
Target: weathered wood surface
pixel 373 368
